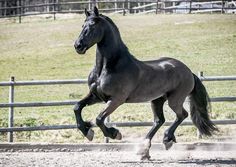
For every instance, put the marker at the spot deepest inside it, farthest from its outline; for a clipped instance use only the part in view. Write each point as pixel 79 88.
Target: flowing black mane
pixel 118 34
pixel 111 22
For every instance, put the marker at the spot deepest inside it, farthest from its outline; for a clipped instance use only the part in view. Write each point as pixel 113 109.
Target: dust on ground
pixel 118 158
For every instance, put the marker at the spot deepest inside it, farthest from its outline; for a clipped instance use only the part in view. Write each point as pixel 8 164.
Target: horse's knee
pixel 185 114
pixel 78 107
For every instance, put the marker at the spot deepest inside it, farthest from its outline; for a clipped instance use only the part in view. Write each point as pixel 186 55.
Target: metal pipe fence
pixel 12 104
pixel 20 8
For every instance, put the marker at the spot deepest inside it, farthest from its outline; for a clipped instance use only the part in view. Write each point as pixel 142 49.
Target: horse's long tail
pixel 199 107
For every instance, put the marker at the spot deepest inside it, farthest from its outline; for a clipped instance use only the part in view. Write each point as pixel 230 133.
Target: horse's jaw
pixel 81 51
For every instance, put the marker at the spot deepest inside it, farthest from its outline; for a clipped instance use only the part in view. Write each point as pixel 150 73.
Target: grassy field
pixel 41 49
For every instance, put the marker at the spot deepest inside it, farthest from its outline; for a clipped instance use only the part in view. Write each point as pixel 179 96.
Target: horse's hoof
pixel 118 136
pixel 143 150
pixel 168 144
pixel 144 154
pixel 145 157
pixel 90 134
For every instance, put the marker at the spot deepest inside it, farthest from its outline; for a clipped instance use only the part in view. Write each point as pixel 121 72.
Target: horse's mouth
pixel 82 50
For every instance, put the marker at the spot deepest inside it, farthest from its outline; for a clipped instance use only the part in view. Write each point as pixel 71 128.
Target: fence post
pixel 222 9
pixel 211 6
pixel 54 9
pixel 190 7
pixel 107 120
pixel 157 6
pixel 138 10
pixel 20 10
pixel 11 109
pixel 5 10
pixel 129 7
pixel 116 6
pixel 89 6
pixel 94 3
pixel 123 5
pixel 199 135
pixel 164 6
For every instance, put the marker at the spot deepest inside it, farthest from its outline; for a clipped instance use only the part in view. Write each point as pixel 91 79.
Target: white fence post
pixel 11 109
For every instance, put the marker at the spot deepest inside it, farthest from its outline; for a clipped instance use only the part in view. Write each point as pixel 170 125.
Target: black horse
pixel 118 77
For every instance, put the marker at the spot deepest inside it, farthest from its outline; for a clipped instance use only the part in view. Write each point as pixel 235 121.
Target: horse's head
pixel 91 33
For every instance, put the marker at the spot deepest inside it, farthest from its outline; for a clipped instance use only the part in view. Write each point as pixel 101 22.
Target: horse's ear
pixel 95 10
pixel 86 12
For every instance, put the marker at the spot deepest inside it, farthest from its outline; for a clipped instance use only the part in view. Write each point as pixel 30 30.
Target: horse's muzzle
pixel 80 48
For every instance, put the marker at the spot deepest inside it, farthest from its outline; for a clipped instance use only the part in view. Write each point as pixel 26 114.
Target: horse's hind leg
pixel 181 114
pixel 157 108
pixel 85 127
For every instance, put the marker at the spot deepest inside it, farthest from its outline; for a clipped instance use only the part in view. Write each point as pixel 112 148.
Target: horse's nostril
pixel 78 45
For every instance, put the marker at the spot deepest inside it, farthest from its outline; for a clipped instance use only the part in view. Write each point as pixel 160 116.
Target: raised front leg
pixel 85 127
pixel 109 132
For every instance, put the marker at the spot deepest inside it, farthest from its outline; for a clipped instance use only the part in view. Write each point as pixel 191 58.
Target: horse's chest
pixel 100 85
pixel 113 82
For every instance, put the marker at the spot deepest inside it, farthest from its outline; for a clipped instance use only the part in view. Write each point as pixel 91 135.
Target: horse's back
pixel 160 77
pixel 171 67
pixel 165 63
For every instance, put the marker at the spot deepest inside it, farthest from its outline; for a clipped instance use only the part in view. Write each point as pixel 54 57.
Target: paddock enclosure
pixel 39 53
pixel 11 105
pixel 203 42
pixel 20 8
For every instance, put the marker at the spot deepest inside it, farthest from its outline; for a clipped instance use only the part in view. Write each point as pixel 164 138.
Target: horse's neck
pixel 109 53
pixel 111 50
pixel 109 59
pixel 99 62
pixel 106 59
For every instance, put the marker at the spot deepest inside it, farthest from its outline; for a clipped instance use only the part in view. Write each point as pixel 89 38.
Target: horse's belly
pixel 145 95
pixel 141 99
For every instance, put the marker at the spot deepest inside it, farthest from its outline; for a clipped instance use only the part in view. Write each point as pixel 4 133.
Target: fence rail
pixel 12 104
pixel 117 124
pixel 72 102
pixel 43 82
pixel 20 8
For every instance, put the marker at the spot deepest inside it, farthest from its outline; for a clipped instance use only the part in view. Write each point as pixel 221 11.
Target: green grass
pixel 40 49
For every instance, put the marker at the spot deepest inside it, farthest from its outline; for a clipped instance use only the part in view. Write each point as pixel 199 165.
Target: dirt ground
pixel 116 158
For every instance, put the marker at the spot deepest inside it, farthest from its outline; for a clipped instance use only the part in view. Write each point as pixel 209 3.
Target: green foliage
pixel 3 122
pixel 30 122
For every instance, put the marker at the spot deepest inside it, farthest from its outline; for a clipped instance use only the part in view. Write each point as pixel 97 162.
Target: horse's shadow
pixel 186 161
pixel 208 161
